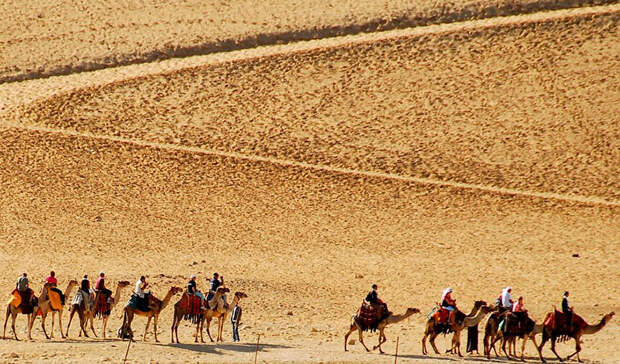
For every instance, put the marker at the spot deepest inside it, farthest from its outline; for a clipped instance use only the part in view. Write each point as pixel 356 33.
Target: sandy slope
pixel 467 106
pixel 294 239
pixel 122 181
pixel 43 38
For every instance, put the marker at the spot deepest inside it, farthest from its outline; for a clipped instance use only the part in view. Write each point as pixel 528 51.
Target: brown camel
pixel 155 305
pixel 85 314
pixel 434 330
pixel 218 308
pixel 14 311
pixel 181 313
pixel 580 327
pixel 527 329
pixel 45 306
pixel 104 315
pixel 391 319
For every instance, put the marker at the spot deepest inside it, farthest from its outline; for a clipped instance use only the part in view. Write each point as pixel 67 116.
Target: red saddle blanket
pixel 103 306
pixel 441 316
pixel 370 315
pixel 191 304
pixel 558 321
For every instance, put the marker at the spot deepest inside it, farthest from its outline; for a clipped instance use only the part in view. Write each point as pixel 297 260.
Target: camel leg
pixel 220 328
pixel 208 332
pixel 6 319
pixel 504 347
pixel 71 313
pixel 43 317
pixel 155 319
pixel 202 325
pixel 553 348
pixel 346 336
pixel 362 339
pixel 62 336
pixel 146 329
pixel 83 322
pixel 424 351
pixel 91 318
pixel 199 326
pixel 525 337
pixel 382 339
pixel 174 321
pixel 105 325
pixel 432 341
pixel 577 350
pixel 52 329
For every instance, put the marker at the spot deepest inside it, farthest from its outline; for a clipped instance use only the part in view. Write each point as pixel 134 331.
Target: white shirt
pixel 506 298
pixel 139 290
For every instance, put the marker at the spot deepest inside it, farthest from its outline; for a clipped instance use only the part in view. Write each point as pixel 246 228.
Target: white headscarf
pixel 445 293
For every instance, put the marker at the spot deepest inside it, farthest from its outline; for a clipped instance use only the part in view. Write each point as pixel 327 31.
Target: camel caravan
pixel 507 322
pixel 98 303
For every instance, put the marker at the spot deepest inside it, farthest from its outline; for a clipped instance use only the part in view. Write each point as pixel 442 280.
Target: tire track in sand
pixel 596 200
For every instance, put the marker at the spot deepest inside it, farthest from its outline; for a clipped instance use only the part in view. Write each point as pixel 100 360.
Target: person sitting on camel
pixel 85 290
pixel 373 298
pixel 101 288
pixel 214 284
pixel 192 290
pixel 53 282
pixel 23 287
pixel 142 301
pixel 448 303
pixel 567 310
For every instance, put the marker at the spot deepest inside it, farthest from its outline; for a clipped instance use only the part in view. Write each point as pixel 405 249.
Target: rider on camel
pixel 192 289
pixel 373 298
pixel 142 301
pixel 567 309
pixel 100 286
pixel 53 282
pixel 85 288
pixel 23 288
pixel 214 284
pixel 448 303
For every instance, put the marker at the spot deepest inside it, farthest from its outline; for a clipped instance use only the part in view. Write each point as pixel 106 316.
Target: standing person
pixel 214 284
pixel 53 282
pixel 142 303
pixel 567 309
pixel 235 320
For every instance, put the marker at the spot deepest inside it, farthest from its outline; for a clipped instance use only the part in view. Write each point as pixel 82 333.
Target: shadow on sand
pixel 219 348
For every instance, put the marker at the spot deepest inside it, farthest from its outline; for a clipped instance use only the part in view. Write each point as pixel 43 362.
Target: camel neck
pixel 593 329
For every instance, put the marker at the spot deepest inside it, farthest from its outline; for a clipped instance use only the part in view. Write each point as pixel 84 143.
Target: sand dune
pixel 467 106
pixel 41 39
pixel 474 155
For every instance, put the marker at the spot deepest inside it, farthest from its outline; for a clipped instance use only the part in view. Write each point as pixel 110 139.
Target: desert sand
pixel 476 153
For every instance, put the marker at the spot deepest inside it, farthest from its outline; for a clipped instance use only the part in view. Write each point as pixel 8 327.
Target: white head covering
pixel 192 276
pixel 445 293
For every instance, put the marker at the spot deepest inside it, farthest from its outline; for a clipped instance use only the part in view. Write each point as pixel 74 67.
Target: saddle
pixel 191 305
pixel 103 306
pixel 441 316
pixel 370 315
pixel 25 300
pixel 558 322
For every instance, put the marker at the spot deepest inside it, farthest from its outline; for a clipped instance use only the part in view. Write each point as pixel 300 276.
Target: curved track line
pixel 254 158
pixel 13 94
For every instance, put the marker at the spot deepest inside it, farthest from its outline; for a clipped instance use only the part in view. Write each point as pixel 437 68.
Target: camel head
pixel 222 290
pixel 411 310
pixel 123 284
pixel 479 304
pixel 609 316
pixel 73 282
pixel 240 295
pixel 488 309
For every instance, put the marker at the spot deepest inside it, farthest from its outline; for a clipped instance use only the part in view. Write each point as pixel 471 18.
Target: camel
pixel 229 308
pixel 433 331
pixel 580 328
pixel 218 308
pixel 391 319
pixel 45 307
pixel 155 305
pixel 529 331
pixel 85 315
pixel 117 296
pixel 13 311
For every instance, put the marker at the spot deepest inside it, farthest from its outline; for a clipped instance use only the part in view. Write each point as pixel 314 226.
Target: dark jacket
pixel 191 287
pixel 215 284
pixel 85 286
pixel 565 307
pixel 372 297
